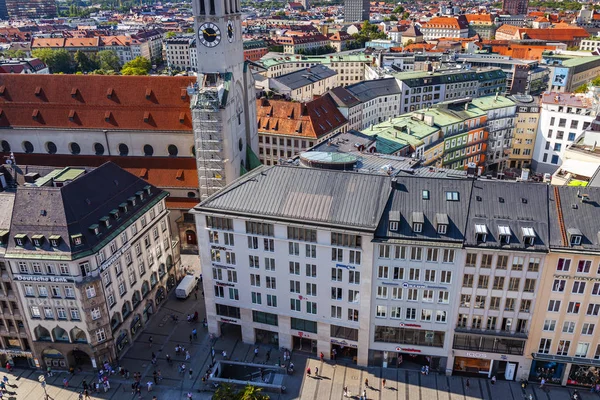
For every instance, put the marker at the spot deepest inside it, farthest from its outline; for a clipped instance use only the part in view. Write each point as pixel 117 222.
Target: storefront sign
pixel 16 353
pixel 222 266
pixel 391 283
pixel 578 277
pixel 402 325
pixel 52 279
pixel 413 285
pixel 437 287
pixel 218 248
pixel 229 320
pixel 302 334
pixel 345 266
pixel 476 355
pixel 408 350
pixel 111 260
pixel 224 284
pixel 343 343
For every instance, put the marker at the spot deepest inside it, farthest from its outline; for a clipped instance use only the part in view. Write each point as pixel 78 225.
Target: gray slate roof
pixel 305 195
pixel 369 90
pixel 6 207
pixel 407 201
pixel 73 208
pixel 585 216
pixel 513 204
pixel 304 77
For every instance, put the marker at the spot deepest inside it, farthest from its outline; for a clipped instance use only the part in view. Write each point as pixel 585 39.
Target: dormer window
pixel 3 237
pixel 123 207
pixel 132 201
pixel 504 233
pixel 425 194
pixel 441 223
pixel 481 233
pixel 77 239
pixel 95 229
pixel 394 220
pixel 147 189
pixel 140 194
pixel 115 214
pixel 574 236
pixel 528 236
pixel 54 240
pixel 38 240
pixel 417 221
pixel 20 239
pixel 451 196
pixel 105 221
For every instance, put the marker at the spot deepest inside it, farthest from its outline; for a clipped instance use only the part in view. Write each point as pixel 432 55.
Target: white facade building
pixel 563 119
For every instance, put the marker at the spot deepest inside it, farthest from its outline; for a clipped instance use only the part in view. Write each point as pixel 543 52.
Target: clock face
pixel 209 34
pixel 230 31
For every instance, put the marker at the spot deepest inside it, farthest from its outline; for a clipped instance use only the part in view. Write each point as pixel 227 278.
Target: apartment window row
pixel 517 263
pixel 498 283
pixel 481 302
pixel 387 251
pixel 414 274
pixel 39 268
pixel 564 348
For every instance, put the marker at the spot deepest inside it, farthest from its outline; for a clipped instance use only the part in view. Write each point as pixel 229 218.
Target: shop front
pixel 306 342
pixel 136 324
pixel 266 337
pixel 17 358
pixel 344 349
pixel 550 371
pixel 480 364
pixel 584 375
pixel 406 357
pixel 122 341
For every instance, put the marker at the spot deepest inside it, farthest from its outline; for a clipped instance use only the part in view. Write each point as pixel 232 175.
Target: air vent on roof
pixel 146 116
pixel 524 200
pixel 35 115
pixel 72 115
pixel 478 198
pixel 501 199
pixel 148 93
pixel 38 91
pixel 74 92
pixel 574 206
pixel 107 116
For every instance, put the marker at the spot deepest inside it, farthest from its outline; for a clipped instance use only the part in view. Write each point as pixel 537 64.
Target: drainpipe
pixel 106 139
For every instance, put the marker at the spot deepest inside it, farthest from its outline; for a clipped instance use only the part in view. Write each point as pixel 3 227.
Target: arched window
pixel 60 335
pixel 51 148
pixel 172 149
pixel 98 149
pixel 27 147
pixel 42 334
pixel 74 147
pixel 123 149
pixel 190 237
pixel 148 150
pixel 145 288
pixel 115 321
pixel 126 310
pixel 5 146
pixel 192 195
pixel 78 336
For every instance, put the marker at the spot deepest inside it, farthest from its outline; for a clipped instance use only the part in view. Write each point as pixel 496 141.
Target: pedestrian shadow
pixel 320 377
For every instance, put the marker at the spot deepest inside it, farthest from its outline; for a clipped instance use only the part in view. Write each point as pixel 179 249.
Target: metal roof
pixel 579 216
pixel 305 195
pixel 305 77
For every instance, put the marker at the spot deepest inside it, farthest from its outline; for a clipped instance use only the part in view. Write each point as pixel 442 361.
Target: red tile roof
pixel 156 103
pixel 313 119
pixel 181 203
pixel 163 172
pixel 443 22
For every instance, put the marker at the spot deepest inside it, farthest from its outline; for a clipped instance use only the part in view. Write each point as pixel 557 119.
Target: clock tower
pixel 222 101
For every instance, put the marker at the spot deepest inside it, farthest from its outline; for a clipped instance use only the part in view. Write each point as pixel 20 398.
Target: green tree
pixel 582 89
pixel 405 15
pixel 59 61
pixel 398 10
pixel 251 393
pixel 84 63
pixel 170 35
pixel 368 32
pixel 137 66
pixel 224 392
pixel 393 17
pixel 14 54
pixel 109 60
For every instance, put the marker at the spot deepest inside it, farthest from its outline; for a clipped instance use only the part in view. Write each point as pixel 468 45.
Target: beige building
pixel 563 341
pixel 526 123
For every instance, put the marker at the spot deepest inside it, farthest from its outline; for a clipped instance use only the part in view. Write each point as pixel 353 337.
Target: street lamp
pixel 42 380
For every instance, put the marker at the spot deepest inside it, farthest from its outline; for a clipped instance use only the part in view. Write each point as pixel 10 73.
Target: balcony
pixel 523 334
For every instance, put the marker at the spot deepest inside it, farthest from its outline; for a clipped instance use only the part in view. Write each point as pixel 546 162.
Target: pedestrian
pixel 150 340
pixel 196 294
pixel 187 356
pixel 542 383
pixel 212 352
pixel 256 351
pixel 195 333
pixel 366 382
pixel 5 379
pixel 159 375
pixel 154 398
pixel 321 356
pixel 345 391
pixel 191 373
pixel 80 396
pixel 268 355
pixel 334 354
pixel 138 391
pixel 49 370
pixel 86 394
pixel 316 371
pixel 224 354
pixel 65 383
pixel 308 371
pixel 84 385
pixel 383 382
pixel 189 395
pixel 191 337
pixel 155 377
pixel 149 384
pixel 468 384
pixel 494 380
pixel 365 394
